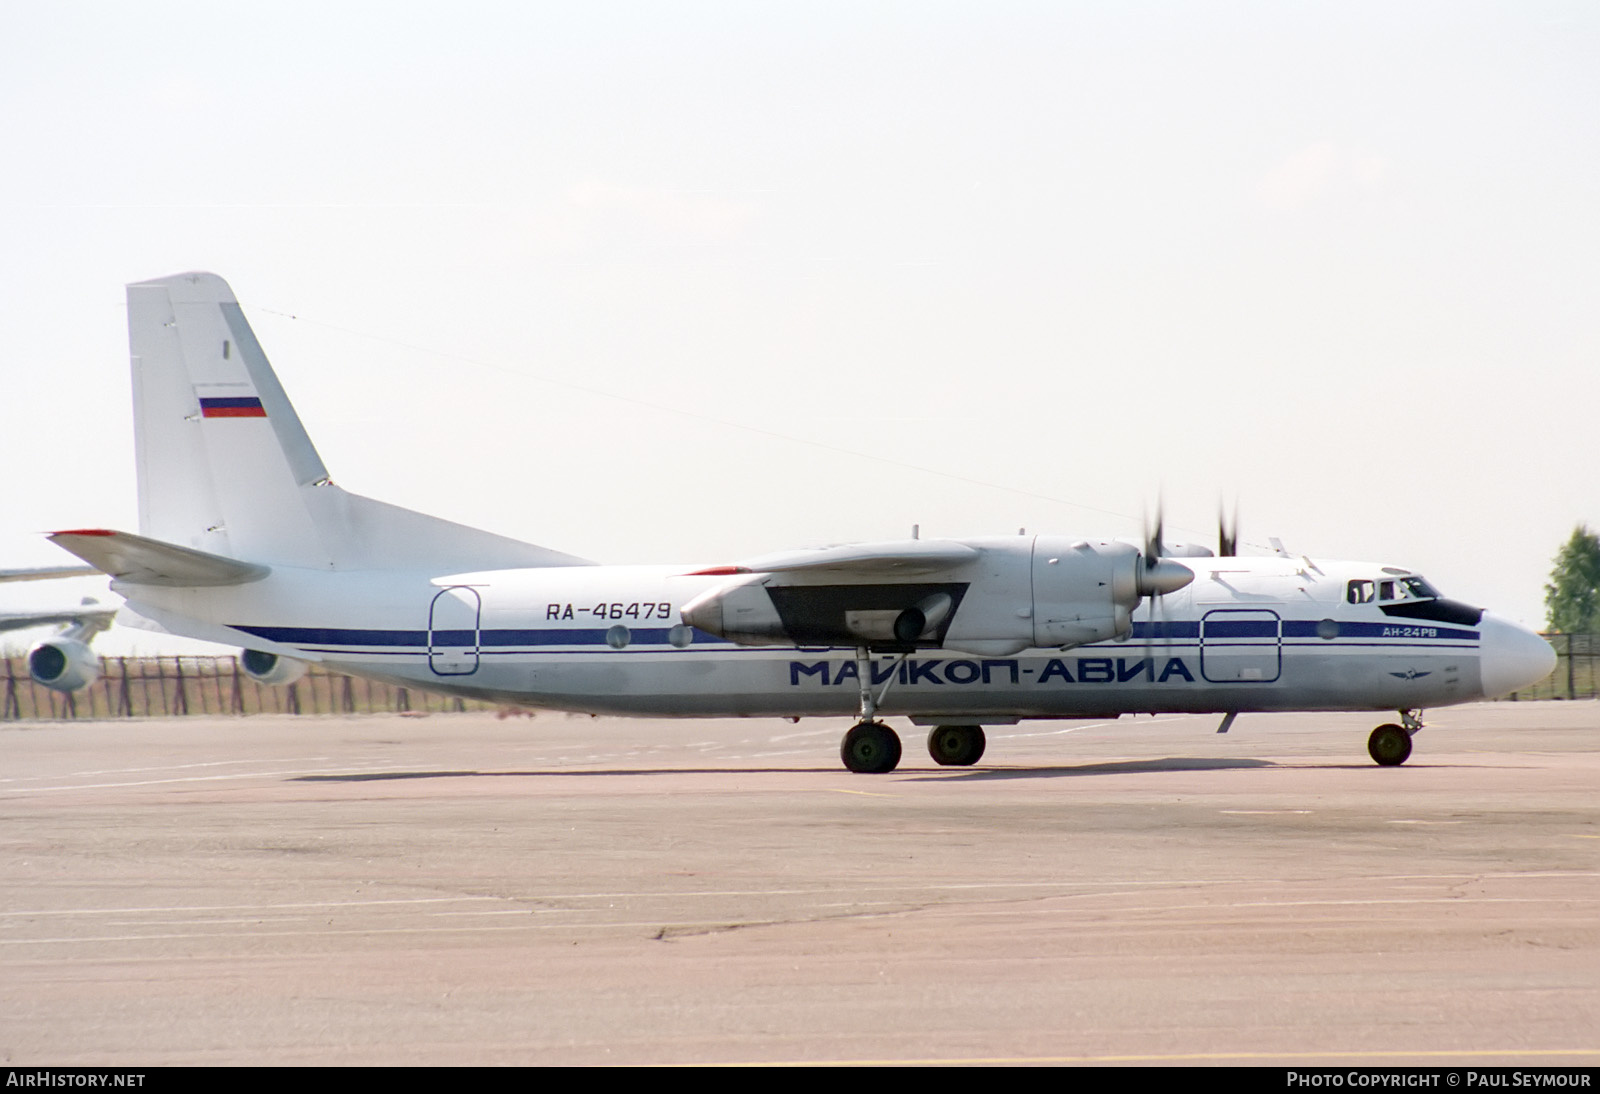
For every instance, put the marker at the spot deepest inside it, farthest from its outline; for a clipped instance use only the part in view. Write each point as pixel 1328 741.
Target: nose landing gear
pixel 1390 744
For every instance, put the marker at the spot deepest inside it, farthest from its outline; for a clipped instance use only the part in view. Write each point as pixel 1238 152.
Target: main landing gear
pixel 1390 744
pixel 872 748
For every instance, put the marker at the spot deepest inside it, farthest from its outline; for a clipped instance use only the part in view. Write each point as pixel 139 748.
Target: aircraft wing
pixel 90 616
pixel 98 617
pixel 909 556
pixel 45 573
pixel 141 561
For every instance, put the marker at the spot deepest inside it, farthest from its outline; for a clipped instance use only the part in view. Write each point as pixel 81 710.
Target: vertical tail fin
pixel 222 456
pixel 225 466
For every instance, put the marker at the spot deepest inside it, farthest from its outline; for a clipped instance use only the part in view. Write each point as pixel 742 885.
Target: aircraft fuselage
pixel 1249 634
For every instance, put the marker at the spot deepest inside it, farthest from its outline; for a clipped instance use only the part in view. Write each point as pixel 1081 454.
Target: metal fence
pixel 167 687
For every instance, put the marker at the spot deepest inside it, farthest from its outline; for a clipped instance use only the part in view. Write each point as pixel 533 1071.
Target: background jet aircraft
pixel 64 662
pixel 244 539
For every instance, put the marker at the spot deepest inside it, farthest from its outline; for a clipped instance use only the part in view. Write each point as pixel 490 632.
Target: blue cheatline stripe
pixel 1241 628
pixel 589 636
pixel 1306 628
pixel 539 637
pixel 1396 645
pixel 340 636
pixel 353 652
pixel 584 637
pixel 1299 628
pixel 336 636
pixel 1167 629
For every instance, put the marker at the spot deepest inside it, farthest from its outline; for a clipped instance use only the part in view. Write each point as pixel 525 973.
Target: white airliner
pixel 63 662
pixel 245 540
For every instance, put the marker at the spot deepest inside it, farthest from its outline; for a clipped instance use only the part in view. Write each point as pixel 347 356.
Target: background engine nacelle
pixel 63 664
pixel 271 668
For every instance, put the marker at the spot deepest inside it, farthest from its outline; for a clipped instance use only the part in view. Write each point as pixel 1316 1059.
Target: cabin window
pixel 1359 592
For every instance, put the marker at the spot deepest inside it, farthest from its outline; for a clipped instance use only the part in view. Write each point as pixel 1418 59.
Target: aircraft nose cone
pixel 1511 657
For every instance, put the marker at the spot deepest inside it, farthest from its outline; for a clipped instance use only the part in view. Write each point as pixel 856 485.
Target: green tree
pixel 1573 596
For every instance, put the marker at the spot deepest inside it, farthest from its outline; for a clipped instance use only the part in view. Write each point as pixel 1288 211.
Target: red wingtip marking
pixel 85 532
pixel 718 571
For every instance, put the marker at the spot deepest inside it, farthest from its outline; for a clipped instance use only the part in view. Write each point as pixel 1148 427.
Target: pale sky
pixel 694 281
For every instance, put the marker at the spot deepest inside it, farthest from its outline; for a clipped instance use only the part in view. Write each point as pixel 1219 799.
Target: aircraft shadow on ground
pixel 1118 767
pixel 383 776
pixel 1170 764
pixel 1113 767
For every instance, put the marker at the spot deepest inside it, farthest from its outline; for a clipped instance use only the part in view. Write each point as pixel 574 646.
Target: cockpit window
pixel 1362 591
pixel 1419 588
pixel 1405 588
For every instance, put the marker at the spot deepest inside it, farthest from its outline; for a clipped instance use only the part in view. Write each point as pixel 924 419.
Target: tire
pixel 956 746
pixel 870 748
pixel 1389 745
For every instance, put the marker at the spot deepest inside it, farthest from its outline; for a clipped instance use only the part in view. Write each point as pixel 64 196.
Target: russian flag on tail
pixel 246 406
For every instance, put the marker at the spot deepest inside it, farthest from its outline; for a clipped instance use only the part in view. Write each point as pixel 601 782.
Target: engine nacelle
pixel 271 668
pixel 742 612
pixel 1086 592
pixel 1013 593
pixel 63 664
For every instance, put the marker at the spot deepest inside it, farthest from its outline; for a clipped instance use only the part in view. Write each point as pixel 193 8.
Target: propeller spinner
pixel 1159 576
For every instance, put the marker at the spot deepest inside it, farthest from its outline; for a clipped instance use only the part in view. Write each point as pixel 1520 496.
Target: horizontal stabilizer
pixel 141 561
pixel 909 556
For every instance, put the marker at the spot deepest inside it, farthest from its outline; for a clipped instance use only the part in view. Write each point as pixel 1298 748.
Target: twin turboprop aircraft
pixel 245 540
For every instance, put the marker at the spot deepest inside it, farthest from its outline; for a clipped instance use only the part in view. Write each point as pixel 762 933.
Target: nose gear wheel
pixel 1389 745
